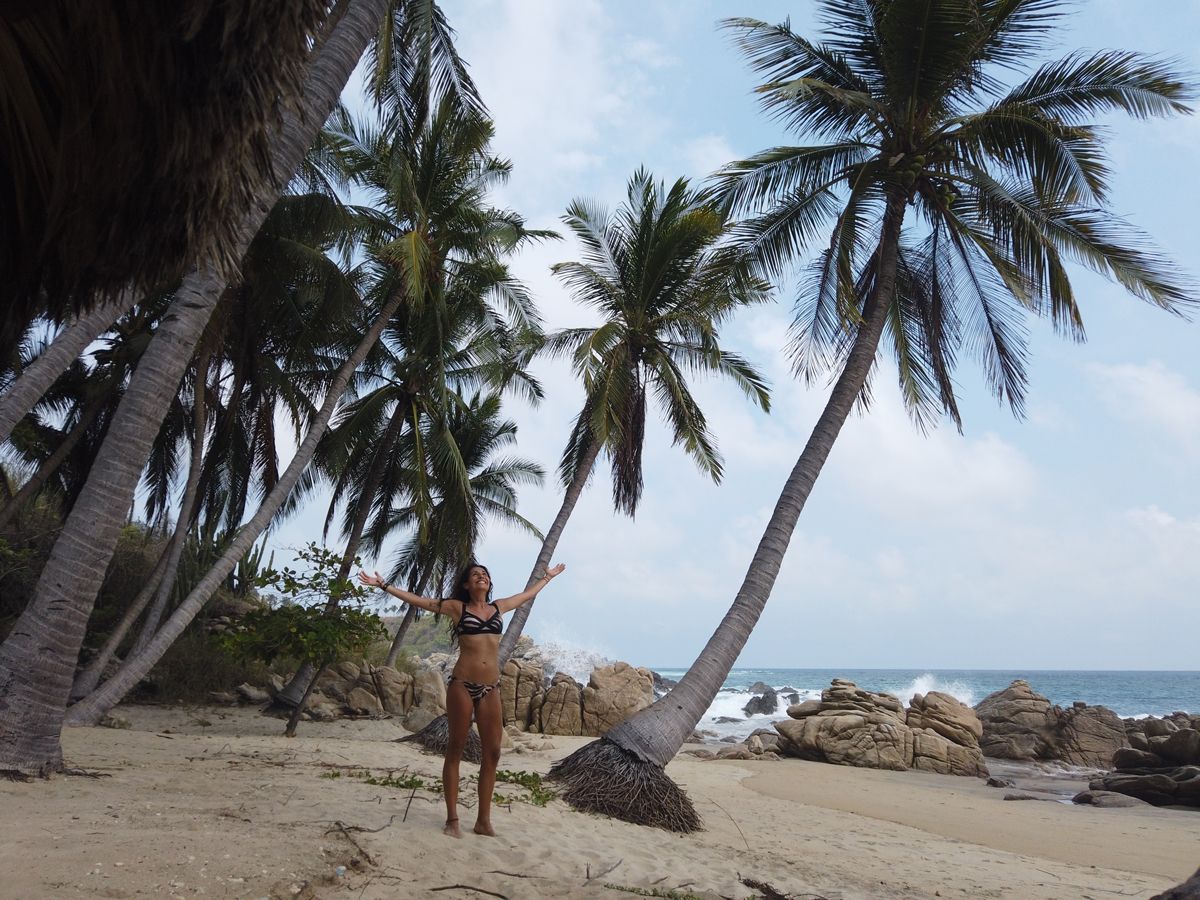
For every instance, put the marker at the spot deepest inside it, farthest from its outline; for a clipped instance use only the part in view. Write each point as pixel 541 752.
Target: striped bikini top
pixel 472 624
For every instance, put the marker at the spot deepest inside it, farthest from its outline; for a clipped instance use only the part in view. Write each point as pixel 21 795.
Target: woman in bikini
pixel 474 684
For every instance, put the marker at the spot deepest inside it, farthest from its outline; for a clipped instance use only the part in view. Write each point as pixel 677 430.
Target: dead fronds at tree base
pixel 604 778
pixel 435 737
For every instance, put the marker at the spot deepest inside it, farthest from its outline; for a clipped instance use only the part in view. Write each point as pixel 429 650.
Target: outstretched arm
pixel 508 604
pixel 377 580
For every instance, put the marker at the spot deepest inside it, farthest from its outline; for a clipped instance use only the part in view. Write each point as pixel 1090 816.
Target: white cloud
pixel 1152 395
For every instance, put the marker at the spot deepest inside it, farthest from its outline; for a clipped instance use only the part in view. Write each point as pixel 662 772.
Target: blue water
pixel 1125 693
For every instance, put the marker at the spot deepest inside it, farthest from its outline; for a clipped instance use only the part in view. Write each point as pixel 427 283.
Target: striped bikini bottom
pixel 474 688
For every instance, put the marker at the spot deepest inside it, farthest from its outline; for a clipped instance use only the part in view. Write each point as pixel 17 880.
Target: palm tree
pixel 445 524
pixel 1005 186
pixel 663 277
pixel 468 319
pixel 37 660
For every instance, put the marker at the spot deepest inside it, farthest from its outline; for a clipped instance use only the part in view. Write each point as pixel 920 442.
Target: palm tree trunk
pixel 294 718
pixel 655 734
pixel 186 507
pixel 294 691
pixel 27 390
pixel 549 545
pixel 89 711
pixel 86 681
pixel 50 465
pixel 410 616
pixel 37 661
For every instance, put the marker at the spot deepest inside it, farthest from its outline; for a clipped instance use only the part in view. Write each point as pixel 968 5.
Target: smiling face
pixel 478 580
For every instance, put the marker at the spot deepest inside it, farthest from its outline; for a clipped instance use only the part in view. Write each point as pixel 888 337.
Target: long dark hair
pixel 460 584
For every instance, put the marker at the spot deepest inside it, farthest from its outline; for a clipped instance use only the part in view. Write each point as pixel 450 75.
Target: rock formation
pixel 854 727
pixel 1019 723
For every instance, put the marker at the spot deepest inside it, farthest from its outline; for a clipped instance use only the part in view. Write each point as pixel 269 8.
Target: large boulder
pixel 947 716
pixel 849 739
pixel 429 690
pixel 394 689
pixel 560 710
pixel 613 694
pixel 1179 786
pixel 1019 723
pixel 519 681
pixel 1016 723
pixel 1087 735
pixel 1189 890
pixel 763 705
pixel 1181 748
pixel 854 727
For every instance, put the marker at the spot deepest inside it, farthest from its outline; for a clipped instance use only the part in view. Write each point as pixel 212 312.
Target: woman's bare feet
pixel 451 828
pixel 484 828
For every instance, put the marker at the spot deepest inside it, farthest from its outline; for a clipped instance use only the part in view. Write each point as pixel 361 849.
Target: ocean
pixel 1128 694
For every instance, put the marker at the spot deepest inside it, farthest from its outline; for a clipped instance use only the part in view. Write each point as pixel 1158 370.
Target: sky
pixel 1068 540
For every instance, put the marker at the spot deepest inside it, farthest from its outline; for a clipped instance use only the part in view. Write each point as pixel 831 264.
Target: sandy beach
pixel 215 802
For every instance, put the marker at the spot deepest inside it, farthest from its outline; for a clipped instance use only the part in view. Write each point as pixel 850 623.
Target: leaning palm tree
pixel 663 278
pixel 1005 186
pixel 37 661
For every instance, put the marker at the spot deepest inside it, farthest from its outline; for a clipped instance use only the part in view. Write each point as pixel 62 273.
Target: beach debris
pixel 108 720
pixel 997 782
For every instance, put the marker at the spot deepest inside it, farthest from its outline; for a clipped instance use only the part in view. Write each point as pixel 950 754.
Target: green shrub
pixel 196 665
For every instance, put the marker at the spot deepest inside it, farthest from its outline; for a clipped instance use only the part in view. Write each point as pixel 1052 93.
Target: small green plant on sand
pixel 539 794
pixel 651 892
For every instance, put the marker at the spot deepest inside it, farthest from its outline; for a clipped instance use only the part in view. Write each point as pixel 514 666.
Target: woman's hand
pixel 375 580
pixel 556 570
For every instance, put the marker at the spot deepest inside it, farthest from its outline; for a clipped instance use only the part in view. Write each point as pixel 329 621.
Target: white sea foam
pixel 923 684
pixel 731 703
pixel 565 654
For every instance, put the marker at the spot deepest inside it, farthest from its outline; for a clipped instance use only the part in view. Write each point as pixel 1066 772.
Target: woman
pixel 474 684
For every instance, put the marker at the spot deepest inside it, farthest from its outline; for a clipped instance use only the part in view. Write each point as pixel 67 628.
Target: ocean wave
pixel 923 684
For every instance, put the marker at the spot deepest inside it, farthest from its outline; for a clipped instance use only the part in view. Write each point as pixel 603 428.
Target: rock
pixel 934 753
pixel 998 782
pixel 561 711
pixel 519 681
pixel 770 754
pixel 945 715
pixel 760 688
pixel 1153 727
pixel 1015 723
pixel 320 712
pixel 1029 795
pixel 1162 787
pixel 729 739
pixel 754 744
pixel 792 697
pixel 362 701
pixel 394 689
pixel 662 684
pixel 701 754
pixel 1106 799
pixel 762 706
pixel 252 694
pixel 1182 747
pixel 807 708
pixel 223 697
pixel 737 751
pixel 849 740
pixel 613 694
pixel 725 720
pixel 1189 890
pixel 1087 735
pixel 845 696
pixel 108 720
pixel 1128 758
pixel 1019 723
pixel 429 691
pixel 768 737
pixel 418 717
pixel 275 683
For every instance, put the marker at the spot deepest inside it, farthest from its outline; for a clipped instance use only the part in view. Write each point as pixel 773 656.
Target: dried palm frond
pixel 136 133
pixel 435 737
